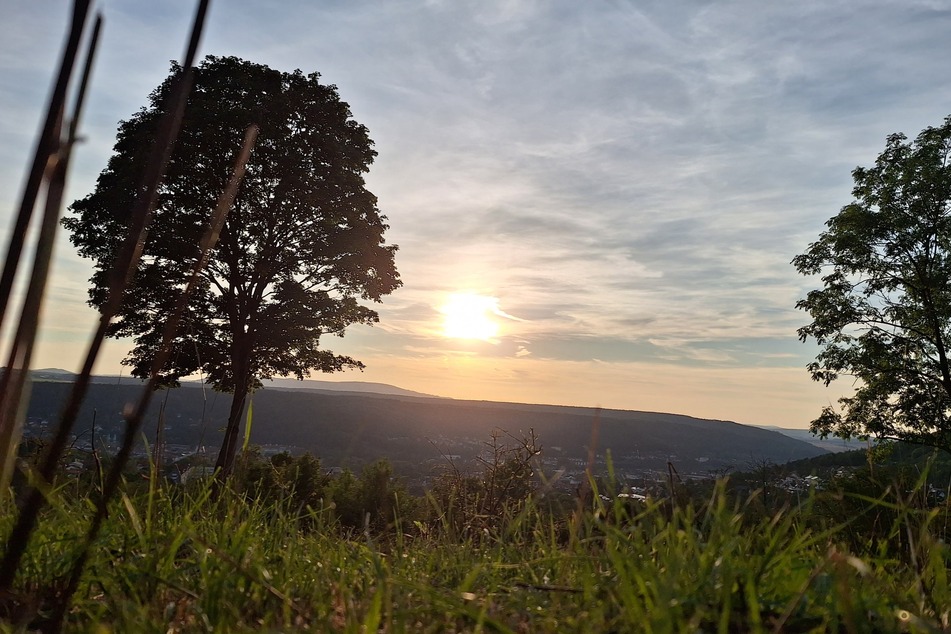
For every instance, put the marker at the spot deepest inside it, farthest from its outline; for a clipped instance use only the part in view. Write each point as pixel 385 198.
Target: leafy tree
pixel 309 480
pixel 346 497
pixel 381 493
pixel 883 313
pixel 302 246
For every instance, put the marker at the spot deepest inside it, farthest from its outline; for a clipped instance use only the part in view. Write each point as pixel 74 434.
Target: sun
pixel 470 316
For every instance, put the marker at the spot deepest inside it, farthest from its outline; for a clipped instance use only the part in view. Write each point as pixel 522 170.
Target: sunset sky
pixel 607 194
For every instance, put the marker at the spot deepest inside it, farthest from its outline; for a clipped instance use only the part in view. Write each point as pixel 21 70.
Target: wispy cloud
pixel 629 179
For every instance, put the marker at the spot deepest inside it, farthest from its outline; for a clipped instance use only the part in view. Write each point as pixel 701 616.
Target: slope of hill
pixel 416 433
pixel 914 460
pixel 831 444
pixel 362 387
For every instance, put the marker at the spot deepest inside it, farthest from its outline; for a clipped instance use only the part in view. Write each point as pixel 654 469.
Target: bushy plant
pixel 370 501
pixel 477 503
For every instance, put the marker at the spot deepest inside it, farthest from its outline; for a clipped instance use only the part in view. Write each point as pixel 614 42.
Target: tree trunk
pixel 229 446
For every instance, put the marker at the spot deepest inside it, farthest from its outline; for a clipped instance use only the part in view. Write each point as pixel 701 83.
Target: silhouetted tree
pixel 883 313
pixel 302 246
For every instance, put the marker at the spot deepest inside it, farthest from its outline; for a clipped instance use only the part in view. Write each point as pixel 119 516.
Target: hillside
pixel 362 387
pixel 892 458
pixel 831 444
pixel 350 429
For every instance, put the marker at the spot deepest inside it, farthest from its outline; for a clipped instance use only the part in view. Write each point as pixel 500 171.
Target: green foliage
pixel 887 460
pixel 382 495
pixel 302 246
pixel 297 482
pixel 371 501
pixel 290 547
pixel 171 559
pixel 883 313
pixel 476 504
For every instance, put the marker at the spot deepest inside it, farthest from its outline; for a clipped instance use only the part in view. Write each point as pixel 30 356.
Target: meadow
pixel 281 553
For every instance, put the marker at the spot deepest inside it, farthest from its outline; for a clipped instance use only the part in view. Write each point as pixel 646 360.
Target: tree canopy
pixel 301 250
pixel 883 312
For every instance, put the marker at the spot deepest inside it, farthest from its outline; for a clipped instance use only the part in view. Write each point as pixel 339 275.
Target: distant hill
pixel 831 444
pixel 417 433
pixel 342 386
pixel 51 374
pixel 58 374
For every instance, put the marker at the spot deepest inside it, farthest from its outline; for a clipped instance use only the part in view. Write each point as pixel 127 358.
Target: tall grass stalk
pixel 174 559
pixel 50 165
pixel 121 274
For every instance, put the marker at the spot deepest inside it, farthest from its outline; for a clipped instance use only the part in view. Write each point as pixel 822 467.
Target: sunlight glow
pixel 470 316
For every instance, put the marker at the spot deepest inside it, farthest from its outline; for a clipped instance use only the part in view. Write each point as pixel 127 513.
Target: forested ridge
pixel 352 429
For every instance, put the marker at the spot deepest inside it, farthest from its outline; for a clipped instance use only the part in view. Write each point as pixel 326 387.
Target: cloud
pixel 629 179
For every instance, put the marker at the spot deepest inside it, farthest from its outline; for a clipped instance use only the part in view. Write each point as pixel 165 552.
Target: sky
pixel 614 189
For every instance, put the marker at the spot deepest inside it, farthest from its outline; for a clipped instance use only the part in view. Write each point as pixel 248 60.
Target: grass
pixel 170 560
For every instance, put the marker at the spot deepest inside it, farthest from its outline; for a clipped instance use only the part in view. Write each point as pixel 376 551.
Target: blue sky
pixel 629 180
